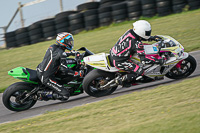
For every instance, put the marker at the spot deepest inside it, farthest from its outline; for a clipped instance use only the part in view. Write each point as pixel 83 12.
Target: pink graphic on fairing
pixel 126 48
pixel 140 51
pixel 153 55
pixel 178 65
pixel 149 57
pixel 163 51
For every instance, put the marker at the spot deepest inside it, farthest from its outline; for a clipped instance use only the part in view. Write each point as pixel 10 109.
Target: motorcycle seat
pixel 33 75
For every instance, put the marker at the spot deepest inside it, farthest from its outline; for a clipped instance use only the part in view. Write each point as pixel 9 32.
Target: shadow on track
pixel 120 91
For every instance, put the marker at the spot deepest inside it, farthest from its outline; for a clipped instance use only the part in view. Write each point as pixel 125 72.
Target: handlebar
pixel 78 58
pixel 160 44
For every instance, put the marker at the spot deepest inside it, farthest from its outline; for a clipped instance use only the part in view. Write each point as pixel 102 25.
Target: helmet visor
pixel 148 33
pixel 69 42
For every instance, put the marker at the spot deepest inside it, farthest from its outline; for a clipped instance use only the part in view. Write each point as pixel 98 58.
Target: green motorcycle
pixel 23 95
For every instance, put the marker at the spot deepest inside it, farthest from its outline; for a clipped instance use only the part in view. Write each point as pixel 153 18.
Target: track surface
pixel 42 106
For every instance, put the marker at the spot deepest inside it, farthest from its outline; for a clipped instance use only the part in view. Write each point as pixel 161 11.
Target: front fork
pixel 183 56
pixel 178 66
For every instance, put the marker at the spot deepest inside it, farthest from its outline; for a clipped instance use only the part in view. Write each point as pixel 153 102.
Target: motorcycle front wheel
pixel 186 68
pixel 13 95
pixel 95 79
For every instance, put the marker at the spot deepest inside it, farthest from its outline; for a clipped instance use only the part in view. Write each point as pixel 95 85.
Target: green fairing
pixel 18 73
pixel 77 91
pixel 71 65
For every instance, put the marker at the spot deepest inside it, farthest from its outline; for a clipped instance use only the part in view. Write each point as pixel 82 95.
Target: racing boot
pixel 125 80
pixel 63 95
pixel 45 95
pixel 60 97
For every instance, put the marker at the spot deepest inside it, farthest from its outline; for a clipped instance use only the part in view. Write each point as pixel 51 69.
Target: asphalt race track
pixel 41 106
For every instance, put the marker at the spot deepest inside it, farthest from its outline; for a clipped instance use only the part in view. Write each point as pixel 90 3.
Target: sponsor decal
pixel 55 87
pixel 155 49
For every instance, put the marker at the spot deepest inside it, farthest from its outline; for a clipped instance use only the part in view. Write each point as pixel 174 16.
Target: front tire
pixel 94 80
pixel 16 92
pixel 188 66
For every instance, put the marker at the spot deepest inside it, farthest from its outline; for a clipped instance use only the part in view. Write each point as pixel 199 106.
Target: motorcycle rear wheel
pixel 93 81
pixel 16 92
pixel 188 66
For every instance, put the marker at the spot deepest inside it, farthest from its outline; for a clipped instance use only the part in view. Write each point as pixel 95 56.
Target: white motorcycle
pixel 103 80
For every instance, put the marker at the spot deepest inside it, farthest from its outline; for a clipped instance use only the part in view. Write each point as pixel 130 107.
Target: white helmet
pixel 142 28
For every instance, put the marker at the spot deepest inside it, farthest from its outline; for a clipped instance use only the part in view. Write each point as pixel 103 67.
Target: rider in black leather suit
pixel 54 59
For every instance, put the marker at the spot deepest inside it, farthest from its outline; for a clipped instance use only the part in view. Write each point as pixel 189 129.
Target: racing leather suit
pixel 54 58
pixel 127 45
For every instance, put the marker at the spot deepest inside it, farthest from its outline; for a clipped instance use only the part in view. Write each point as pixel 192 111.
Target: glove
pixel 74 53
pixel 79 74
pixel 154 38
pixel 162 61
pixel 78 56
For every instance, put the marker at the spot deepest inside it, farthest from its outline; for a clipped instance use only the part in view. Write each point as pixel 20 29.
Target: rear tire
pixel 94 79
pixel 16 92
pixel 188 66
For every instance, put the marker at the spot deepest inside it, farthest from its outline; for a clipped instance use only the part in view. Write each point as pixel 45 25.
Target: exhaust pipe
pixel 110 84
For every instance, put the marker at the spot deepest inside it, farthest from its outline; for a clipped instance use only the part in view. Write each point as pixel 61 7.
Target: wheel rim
pixel 184 69
pixel 96 83
pixel 14 100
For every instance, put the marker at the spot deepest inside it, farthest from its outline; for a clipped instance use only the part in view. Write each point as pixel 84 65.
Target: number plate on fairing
pixel 150 49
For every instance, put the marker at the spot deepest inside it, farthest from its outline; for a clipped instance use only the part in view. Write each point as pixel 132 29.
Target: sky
pixel 33 13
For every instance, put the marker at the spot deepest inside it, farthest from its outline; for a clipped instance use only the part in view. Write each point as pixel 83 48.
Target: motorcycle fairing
pixel 100 61
pixel 22 74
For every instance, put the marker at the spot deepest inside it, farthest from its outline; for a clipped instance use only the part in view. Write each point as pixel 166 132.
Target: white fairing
pixel 184 55
pixel 100 61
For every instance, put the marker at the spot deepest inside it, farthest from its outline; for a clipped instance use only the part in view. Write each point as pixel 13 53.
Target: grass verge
pixel 184 27
pixel 168 109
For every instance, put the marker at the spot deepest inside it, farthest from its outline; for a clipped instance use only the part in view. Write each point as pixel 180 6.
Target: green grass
pixel 184 27
pixel 168 109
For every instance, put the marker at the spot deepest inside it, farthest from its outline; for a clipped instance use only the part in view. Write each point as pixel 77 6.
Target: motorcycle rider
pixel 127 45
pixel 54 59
